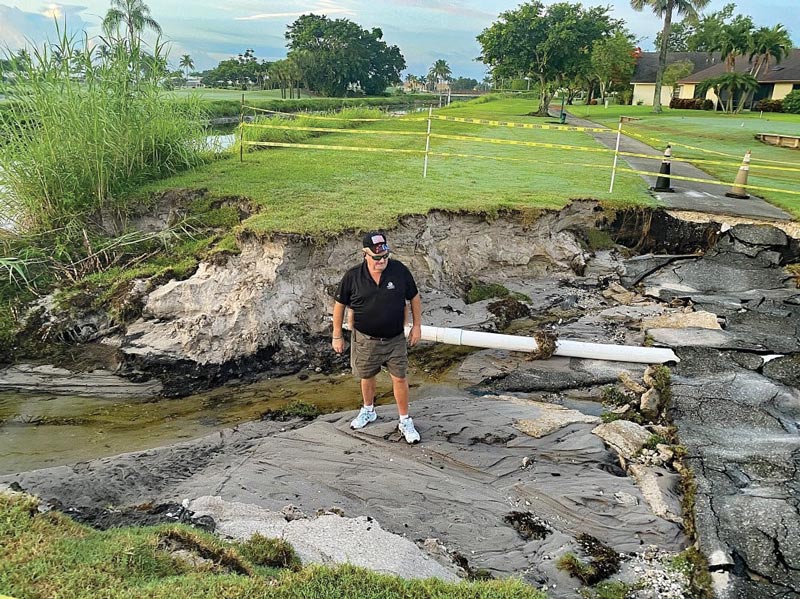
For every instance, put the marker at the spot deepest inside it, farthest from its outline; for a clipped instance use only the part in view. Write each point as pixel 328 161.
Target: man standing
pixel 376 291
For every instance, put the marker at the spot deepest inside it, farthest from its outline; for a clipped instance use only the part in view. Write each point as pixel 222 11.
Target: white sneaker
pixel 406 428
pixel 364 417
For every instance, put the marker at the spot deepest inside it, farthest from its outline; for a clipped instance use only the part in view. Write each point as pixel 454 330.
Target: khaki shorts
pixel 368 354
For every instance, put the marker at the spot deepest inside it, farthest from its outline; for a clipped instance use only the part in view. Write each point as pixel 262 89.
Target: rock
pixel 650 404
pixel 665 452
pixel 626 437
pixel 658 487
pixel 630 384
pixel 647 377
pixel 327 539
pixel 785 369
pixel 550 419
pixel 97 383
pixel 682 320
pixel 762 235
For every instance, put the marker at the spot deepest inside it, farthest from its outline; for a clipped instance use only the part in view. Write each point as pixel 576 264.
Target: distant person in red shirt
pixel 376 291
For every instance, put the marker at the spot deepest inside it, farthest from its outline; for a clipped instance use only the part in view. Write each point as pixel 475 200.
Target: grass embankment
pixel 47 555
pixel 717 133
pixel 319 191
pixel 228 103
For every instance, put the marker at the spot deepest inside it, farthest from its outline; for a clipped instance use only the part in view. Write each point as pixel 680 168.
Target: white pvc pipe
pixel 572 349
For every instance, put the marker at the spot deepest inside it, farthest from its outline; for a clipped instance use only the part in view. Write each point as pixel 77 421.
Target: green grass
pixel 731 134
pixel 48 556
pixel 318 191
pixel 209 93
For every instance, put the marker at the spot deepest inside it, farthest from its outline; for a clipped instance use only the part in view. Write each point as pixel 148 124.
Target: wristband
pixel 335 338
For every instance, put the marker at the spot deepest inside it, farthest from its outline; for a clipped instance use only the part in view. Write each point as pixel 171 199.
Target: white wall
pixel 645 91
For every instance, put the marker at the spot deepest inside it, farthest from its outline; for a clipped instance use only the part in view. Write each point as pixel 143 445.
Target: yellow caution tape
pixel 310 116
pixel 329 130
pixel 705 150
pixel 277 144
pixel 514 142
pixel 458 119
pixel 709 181
pixel 280 144
pixel 511 142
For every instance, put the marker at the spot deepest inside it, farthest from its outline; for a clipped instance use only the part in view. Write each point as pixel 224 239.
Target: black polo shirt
pixel 379 310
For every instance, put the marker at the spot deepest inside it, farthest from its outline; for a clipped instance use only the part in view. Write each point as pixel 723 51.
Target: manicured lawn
pixel 718 133
pixel 324 191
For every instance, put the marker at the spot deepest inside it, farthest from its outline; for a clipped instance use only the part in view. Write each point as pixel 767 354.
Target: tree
pixel 677 70
pixel 707 29
pixel 340 55
pixel 134 15
pixel 733 40
pixel 679 35
pixel 186 63
pixel 768 43
pixel 732 83
pixel 464 84
pixel 550 43
pixel 612 60
pixel 440 72
pixel 243 70
pixel 664 9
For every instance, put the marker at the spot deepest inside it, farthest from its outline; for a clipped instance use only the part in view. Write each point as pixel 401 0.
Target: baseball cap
pixel 375 241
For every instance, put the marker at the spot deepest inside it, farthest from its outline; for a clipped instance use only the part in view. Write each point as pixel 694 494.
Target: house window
pixel 676 91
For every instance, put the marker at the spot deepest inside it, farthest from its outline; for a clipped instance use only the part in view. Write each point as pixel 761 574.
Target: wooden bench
pixel 776 139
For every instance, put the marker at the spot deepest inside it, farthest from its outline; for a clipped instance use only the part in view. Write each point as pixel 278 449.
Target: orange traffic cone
pixel 662 183
pixel 738 190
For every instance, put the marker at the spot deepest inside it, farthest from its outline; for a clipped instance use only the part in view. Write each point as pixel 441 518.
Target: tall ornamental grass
pixel 83 125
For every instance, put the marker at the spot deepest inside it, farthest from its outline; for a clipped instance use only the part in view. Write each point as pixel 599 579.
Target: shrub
pixel 691 103
pixel 791 103
pixel 769 105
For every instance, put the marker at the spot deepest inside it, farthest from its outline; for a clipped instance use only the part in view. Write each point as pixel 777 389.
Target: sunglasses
pixel 380 257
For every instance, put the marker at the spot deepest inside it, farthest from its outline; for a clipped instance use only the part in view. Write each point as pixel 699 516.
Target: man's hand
pixel 414 335
pixel 337 343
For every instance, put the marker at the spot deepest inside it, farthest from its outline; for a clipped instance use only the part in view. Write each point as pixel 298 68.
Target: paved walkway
pixel 689 195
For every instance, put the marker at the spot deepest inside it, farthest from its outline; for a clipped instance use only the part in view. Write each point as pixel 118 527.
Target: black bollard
pixel 662 183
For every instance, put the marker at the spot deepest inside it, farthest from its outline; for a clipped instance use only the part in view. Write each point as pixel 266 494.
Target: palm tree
pixel 411 80
pixel 186 63
pixel 733 83
pixel 765 44
pixel 440 71
pixel 664 9
pixel 733 40
pixel 134 15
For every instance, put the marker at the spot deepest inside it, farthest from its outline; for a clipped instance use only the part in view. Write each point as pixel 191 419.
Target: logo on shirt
pixel 389 285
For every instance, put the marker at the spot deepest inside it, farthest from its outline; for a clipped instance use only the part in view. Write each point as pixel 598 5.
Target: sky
pixel 424 30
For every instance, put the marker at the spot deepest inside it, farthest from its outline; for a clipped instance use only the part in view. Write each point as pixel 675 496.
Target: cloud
pixel 19 28
pixel 323 7
pixel 443 6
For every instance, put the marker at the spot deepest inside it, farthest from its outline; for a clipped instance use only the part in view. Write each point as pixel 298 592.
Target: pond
pixel 39 430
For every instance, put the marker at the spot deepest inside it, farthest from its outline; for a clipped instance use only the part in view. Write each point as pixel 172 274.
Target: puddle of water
pixel 39 431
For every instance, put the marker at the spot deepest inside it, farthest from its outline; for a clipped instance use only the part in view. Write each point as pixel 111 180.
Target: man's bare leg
pixel 400 388
pixel 368 391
